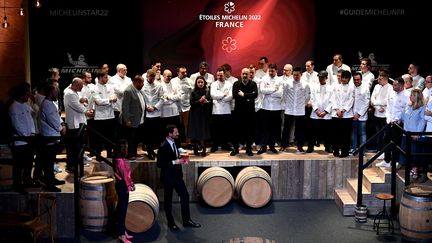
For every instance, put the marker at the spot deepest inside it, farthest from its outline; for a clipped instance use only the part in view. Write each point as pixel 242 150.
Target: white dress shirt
pixel 153 93
pixel 343 99
pixel 119 84
pixel 368 78
pixel 296 94
pixel 321 101
pixel 310 78
pixel 170 99
pixel 379 98
pixel 186 86
pixel 209 78
pixel 272 91
pixel 221 102
pixel 101 95
pixel 396 105
pixel 361 101
pixel 427 94
pixel 74 109
pixel 260 73
pixel 418 82
pixel 332 72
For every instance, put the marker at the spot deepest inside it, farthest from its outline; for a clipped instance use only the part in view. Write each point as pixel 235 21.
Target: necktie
pixel 175 150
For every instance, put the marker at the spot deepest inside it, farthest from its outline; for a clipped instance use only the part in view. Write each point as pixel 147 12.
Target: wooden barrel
pixel 6 179
pixel 360 213
pixel 143 209
pixel 415 213
pixel 98 200
pixel 253 186
pixel 216 186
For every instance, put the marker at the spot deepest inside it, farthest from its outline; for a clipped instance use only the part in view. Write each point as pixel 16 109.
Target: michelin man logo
pixel 78 66
pixel 78 63
pixel 229 7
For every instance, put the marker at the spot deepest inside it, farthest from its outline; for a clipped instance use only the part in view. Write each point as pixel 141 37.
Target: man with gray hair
pixel 203 71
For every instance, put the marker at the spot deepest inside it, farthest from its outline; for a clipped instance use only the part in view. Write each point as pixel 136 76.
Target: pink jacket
pixel 123 172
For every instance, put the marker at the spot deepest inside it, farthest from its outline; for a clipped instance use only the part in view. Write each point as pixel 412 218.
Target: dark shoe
pixel 70 170
pixel 262 150
pixel 151 156
pixel 20 189
pixel 310 150
pixel 343 155
pixel 317 144
pixel 31 184
pixel 173 226
pixel 196 150
pixel 226 147
pixel 273 150
pixel 132 158
pixel 213 149
pixel 300 149
pixel 234 152
pixel 336 153
pixel 191 223
pixel 52 188
pixel 328 150
pixel 249 152
pixel 57 182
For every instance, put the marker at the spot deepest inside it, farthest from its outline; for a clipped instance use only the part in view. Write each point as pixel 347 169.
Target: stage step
pixel 375 180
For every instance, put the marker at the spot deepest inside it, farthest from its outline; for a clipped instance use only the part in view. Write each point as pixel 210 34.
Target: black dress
pixel 199 116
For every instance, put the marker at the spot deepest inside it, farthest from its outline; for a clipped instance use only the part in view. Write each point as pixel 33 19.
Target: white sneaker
pixel 383 164
pixel 57 168
pixel 182 150
pixel 86 158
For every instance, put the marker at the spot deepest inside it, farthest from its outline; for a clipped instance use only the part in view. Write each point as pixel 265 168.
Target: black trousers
pixel 394 134
pixel 180 187
pixel 152 133
pixel 122 204
pixel 22 164
pixel 105 128
pixel 134 137
pixel 73 145
pixel 270 122
pixel 244 129
pixel 342 134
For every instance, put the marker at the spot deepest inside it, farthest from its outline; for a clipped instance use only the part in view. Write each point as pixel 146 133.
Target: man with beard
pixel 244 92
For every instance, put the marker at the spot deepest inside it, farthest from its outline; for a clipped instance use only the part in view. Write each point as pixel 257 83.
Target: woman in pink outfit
pixel 123 185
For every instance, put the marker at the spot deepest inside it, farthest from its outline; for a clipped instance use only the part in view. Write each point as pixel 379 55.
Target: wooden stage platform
pixel 294 176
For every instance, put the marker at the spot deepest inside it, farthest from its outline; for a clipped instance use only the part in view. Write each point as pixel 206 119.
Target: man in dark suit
pixel 133 114
pixel 168 159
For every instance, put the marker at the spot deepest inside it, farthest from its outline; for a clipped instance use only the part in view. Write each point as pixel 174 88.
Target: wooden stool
pixel 383 214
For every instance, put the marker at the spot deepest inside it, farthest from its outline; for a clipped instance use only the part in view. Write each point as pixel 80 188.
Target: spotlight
pixel 21 11
pixel 5 23
pixel 37 4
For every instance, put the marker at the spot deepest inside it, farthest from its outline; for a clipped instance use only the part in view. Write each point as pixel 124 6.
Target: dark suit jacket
pixel 169 173
pixel 131 107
